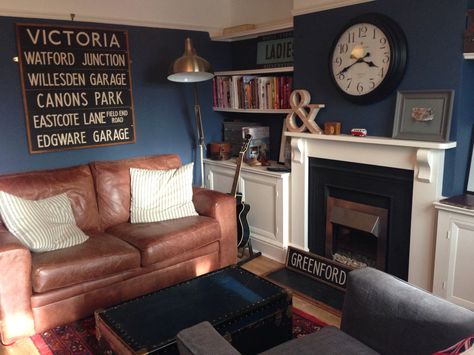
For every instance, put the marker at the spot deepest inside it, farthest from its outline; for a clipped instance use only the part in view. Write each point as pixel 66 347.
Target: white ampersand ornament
pixel 299 101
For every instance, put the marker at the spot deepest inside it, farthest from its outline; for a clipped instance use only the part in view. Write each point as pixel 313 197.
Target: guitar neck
pixel 233 192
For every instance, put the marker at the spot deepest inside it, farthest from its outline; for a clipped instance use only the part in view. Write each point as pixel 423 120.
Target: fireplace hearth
pixel 360 215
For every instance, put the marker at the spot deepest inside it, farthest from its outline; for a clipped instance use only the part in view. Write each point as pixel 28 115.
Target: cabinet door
pixel 218 178
pixel 454 260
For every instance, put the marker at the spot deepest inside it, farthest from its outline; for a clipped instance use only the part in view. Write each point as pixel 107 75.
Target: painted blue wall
pixel 163 110
pixel 164 115
pixel 434 31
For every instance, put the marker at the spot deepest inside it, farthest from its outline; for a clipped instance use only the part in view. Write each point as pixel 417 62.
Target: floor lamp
pixel 190 68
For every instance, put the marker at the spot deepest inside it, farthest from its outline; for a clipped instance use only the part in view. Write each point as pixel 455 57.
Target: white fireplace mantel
pixel 426 159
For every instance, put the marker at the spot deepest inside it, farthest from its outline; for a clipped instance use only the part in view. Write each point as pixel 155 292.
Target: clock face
pixel 368 58
pixel 361 59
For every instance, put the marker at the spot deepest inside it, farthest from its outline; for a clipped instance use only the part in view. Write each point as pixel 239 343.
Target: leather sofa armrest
pixel 222 207
pixel 203 339
pixel 16 316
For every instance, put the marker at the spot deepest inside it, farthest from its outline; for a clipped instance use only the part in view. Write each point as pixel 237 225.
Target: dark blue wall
pixel 164 115
pixel 163 110
pixel 434 31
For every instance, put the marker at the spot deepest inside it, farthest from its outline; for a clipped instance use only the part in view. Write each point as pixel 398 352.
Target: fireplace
pixel 360 214
pixel 422 161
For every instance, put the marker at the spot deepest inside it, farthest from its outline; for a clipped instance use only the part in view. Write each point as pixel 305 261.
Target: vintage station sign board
pixel 77 89
pixel 317 267
pixel 275 50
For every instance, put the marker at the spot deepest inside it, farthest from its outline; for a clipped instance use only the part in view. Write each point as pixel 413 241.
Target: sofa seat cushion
pixel 329 340
pixel 101 255
pixel 163 240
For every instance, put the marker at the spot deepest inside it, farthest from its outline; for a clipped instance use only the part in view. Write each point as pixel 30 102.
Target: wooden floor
pixel 260 266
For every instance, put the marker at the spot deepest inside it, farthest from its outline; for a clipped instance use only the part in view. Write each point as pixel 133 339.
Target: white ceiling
pixel 202 15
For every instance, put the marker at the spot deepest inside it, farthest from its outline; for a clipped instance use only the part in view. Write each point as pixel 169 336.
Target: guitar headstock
pixel 245 144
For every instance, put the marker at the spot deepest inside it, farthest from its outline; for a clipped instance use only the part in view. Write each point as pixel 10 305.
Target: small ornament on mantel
pixel 299 102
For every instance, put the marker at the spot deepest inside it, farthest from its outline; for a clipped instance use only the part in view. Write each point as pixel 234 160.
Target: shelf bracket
pixel 424 159
pixel 298 149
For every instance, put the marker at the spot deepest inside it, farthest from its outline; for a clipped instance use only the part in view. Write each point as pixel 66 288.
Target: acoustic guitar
pixel 243 229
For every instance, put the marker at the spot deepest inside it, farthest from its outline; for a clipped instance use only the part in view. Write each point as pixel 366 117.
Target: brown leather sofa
pixel 119 261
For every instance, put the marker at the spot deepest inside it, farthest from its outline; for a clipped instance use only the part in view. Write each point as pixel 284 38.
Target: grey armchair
pixel 381 314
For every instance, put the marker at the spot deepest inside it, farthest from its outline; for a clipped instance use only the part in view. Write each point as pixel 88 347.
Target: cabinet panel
pixel 261 195
pixel 454 257
pixel 219 179
pixel 460 284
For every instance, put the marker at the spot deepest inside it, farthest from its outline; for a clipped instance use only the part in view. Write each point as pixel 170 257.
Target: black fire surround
pixel 383 187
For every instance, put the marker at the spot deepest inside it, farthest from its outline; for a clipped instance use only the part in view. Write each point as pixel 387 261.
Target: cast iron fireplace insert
pixel 361 210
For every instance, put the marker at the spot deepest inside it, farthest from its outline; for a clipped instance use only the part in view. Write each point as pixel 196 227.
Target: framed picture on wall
pixel 470 176
pixel 285 147
pixel 423 115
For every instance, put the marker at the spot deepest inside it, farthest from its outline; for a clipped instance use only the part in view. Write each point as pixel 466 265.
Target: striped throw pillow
pixel 41 225
pixel 160 195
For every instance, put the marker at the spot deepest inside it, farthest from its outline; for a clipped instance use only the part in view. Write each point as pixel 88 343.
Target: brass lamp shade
pixel 190 68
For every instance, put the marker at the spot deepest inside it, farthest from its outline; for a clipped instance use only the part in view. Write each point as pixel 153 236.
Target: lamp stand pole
pixel 200 144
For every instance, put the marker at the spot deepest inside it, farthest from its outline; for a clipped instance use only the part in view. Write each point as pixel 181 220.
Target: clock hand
pixel 371 64
pixel 359 60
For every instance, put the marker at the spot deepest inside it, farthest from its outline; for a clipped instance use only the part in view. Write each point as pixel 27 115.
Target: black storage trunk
pixel 251 312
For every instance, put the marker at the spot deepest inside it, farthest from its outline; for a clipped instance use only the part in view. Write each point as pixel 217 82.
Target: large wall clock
pixel 368 58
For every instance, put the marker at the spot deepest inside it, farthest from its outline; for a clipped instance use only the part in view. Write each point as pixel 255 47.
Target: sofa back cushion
pixel 112 182
pixel 76 182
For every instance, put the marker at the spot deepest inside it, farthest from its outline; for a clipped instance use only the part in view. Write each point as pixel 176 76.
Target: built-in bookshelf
pixel 253 91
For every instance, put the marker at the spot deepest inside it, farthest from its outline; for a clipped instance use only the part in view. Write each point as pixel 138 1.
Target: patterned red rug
pixel 78 338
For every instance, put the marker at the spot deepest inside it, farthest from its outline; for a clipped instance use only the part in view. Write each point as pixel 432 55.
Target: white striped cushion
pixel 41 225
pixel 160 195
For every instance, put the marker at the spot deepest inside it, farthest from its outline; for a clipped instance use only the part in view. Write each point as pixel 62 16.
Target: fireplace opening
pixel 355 233
pixel 360 214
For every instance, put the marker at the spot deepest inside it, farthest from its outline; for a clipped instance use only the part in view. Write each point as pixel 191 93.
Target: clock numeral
pixel 374 34
pixel 383 42
pixel 343 48
pixel 341 76
pixel 360 87
pixel 386 57
pixel 362 31
pixel 382 72
pixel 338 61
pixel 372 83
pixel 349 80
pixel 351 37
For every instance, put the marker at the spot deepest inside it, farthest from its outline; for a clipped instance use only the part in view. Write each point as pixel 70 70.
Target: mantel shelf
pixel 375 140
pixel 468 55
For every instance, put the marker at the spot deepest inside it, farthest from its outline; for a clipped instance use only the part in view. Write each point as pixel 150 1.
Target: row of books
pixel 252 92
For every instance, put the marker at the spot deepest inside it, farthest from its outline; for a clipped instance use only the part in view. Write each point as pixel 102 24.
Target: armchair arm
pixel 393 317
pixel 16 316
pixel 222 207
pixel 203 339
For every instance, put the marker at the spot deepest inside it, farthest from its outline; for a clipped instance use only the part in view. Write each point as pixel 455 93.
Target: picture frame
pixel 423 115
pixel 285 147
pixel 470 171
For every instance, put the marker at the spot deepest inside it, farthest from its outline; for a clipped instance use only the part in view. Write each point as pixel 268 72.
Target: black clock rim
pixel 399 52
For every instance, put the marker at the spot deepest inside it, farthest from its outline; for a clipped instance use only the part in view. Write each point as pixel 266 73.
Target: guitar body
pixel 243 229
